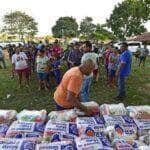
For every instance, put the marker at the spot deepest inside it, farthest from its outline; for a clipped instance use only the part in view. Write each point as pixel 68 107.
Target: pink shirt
pixel 57 49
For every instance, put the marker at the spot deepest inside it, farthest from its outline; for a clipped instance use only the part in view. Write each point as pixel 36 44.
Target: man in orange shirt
pixel 67 94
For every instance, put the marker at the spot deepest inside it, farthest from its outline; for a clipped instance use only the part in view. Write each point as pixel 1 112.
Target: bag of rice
pixel 63 145
pixel 93 105
pixel 112 120
pixel 139 112
pixel 147 147
pixel 143 126
pixel 126 131
pixel 7 116
pixel 145 138
pixel 136 144
pixel 106 143
pixel 3 130
pixel 90 126
pixel 88 143
pixel 32 115
pixel 64 115
pixel 113 109
pixel 16 144
pixel 56 131
pixel 121 144
pixel 20 129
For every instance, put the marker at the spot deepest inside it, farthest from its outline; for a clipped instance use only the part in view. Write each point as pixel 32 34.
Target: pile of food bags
pixel 113 126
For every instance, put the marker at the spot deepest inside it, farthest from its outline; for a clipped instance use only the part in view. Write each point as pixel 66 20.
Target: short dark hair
pixel 124 44
pixel 88 44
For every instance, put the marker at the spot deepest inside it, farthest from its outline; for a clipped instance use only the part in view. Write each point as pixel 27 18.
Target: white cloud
pixel 46 12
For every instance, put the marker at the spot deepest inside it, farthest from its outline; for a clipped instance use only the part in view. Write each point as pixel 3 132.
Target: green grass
pixel 138 91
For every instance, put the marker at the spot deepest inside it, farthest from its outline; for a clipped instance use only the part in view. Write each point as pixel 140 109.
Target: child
pixel 106 60
pixel 42 69
pixel 112 66
pixel 56 69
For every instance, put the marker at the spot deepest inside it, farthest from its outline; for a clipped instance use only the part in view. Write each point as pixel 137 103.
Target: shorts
pixel 112 73
pixel 42 76
pixel 58 107
pixel 142 58
pixel 22 71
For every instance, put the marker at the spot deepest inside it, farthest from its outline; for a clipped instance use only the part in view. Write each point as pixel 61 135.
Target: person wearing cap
pixel 67 94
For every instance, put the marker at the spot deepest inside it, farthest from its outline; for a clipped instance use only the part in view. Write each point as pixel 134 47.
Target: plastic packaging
pixel 143 126
pixel 145 138
pixel 32 115
pixel 3 130
pixel 112 120
pixel 64 115
pixel 106 143
pixel 63 145
pixel 137 143
pixel 121 144
pixel 93 105
pixel 7 116
pixel 139 112
pixel 16 144
pixel 113 109
pixel 147 147
pixel 90 126
pixel 20 129
pixel 128 132
pixel 88 143
pixel 55 131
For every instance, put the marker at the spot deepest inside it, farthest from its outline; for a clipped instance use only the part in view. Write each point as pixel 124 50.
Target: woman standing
pixel 20 66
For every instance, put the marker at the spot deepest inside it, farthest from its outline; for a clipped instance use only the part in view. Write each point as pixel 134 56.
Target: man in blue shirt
pixel 124 70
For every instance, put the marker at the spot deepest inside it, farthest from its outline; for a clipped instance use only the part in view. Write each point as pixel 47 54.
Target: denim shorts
pixel 42 76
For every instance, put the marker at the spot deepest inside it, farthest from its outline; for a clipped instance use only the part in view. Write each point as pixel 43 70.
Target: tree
pixel 65 27
pixel 87 27
pixel 128 18
pixel 101 33
pixel 19 23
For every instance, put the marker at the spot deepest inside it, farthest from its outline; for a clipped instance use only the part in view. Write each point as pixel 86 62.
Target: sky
pixel 46 12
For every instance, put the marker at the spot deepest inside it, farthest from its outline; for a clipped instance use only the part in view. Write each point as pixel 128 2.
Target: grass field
pixel 11 97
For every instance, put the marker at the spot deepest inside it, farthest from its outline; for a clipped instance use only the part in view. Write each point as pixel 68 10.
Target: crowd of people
pixel 83 62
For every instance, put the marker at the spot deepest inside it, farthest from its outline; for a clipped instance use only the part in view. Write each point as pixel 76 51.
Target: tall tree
pixel 101 33
pixel 65 27
pixel 128 18
pixel 87 27
pixel 19 23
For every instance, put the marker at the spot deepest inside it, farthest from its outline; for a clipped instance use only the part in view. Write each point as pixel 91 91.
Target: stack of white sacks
pixel 114 126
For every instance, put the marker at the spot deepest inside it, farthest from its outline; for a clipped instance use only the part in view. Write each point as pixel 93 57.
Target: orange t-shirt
pixel 71 81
